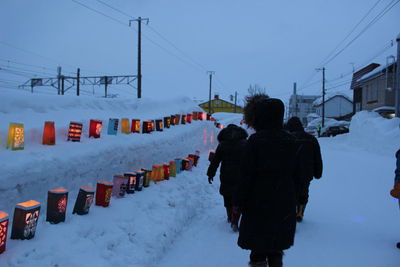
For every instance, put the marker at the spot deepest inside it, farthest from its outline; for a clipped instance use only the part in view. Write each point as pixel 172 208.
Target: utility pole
pixel 105 86
pixel 139 66
pixel 323 96
pixel 62 84
pixel 58 79
pixel 398 78
pixel 295 98
pixel 235 100
pixel 210 73
pixel 78 75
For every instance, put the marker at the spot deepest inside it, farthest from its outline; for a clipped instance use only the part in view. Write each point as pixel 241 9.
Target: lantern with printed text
pixel 139 180
pixel 183 120
pixel 153 125
pixel 75 131
pixel 95 128
pixel 172 168
pixel 84 200
pixel 125 126
pixel 112 126
pixel 120 184
pixel 130 187
pixel 186 164
pixel 208 116
pixel 103 193
pixel 178 165
pixel 49 134
pixel 211 155
pixel 177 119
pixel 159 125
pixel 189 118
pixel 4 220
pixel 16 139
pixel 147 178
pixel 173 120
pixel 167 122
pixel 166 171
pixel 195 115
pixel 147 127
pixel 57 200
pixel 200 115
pixel 26 216
pixel 135 126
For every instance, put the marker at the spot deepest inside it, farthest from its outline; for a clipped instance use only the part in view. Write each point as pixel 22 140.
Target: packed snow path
pixel 350 221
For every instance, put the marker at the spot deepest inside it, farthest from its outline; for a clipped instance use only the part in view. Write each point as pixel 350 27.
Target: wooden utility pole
pixel 139 62
pixel 105 86
pixel 323 97
pixel 210 73
pixel 235 101
pixel 78 75
pixel 295 98
pixel 58 80
pixel 62 84
pixel 398 78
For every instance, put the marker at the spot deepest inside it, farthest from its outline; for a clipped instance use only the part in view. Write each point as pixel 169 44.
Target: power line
pixel 114 8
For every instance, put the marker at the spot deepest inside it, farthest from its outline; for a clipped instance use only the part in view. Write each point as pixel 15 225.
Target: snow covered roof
pixel 329 96
pixel 376 72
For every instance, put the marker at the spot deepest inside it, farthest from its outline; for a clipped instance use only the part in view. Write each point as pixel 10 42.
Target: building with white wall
pixel 336 106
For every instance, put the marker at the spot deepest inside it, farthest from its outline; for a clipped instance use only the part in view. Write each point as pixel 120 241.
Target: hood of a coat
pixel 231 133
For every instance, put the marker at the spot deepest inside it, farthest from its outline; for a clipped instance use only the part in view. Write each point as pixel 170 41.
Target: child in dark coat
pixel 395 192
pixel 232 140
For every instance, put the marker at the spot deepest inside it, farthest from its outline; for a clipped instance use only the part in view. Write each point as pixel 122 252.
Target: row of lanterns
pixel 15 139
pixel 26 214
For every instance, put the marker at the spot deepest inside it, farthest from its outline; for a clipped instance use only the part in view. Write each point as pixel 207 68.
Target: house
pixel 337 106
pixel 220 105
pixel 374 89
pixel 301 105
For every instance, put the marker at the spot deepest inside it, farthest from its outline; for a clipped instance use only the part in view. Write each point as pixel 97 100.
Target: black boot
pixel 258 264
pixel 398 245
pixel 275 259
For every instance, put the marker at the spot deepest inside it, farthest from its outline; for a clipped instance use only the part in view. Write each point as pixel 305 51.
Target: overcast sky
pixel 269 43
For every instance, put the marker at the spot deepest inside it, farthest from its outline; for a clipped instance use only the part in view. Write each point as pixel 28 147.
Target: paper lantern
pixel 166 171
pixel 173 120
pixel 189 118
pixel 135 126
pixel 103 193
pixel 84 200
pixel 177 119
pixel 200 115
pixel 26 216
pixel 3 230
pixel 147 177
pixel 130 187
pixel 154 173
pixel 159 125
pixel 57 200
pixel 186 164
pixel 75 131
pixel 112 126
pixel 167 122
pixel 120 184
pixel 208 116
pixel 95 128
pixel 195 157
pixel 183 119
pixel 195 115
pixel 147 127
pixel 125 126
pixel 172 168
pixel 178 165
pixel 49 134
pixel 139 180
pixel 212 119
pixel 15 139
pixel 153 125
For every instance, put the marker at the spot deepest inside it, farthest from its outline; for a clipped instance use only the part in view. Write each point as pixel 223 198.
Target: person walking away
pixel 395 192
pixel 266 194
pixel 232 140
pixel 310 163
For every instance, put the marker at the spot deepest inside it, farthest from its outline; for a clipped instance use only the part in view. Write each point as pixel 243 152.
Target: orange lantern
pixel 177 119
pixel 75 131
pixel 159 125
pixel 135 126
pixel 26 216
pixel 49 134
pixel 125 128
pixel 147 177
pixel 195 115
pixel 3 230
pixel 95 128
pixel 16 138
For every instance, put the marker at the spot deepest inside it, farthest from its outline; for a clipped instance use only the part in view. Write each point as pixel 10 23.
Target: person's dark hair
pixel 232 132
pixel 294 125
pixel 262 112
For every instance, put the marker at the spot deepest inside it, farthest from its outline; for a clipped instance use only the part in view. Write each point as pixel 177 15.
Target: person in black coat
pixel 231 140
pixel 311 163
pixel 267 193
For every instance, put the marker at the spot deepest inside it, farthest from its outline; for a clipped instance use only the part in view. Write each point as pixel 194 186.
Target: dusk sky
pixel 269 43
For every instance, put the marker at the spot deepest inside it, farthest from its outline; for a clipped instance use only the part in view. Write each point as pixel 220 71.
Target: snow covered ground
pixel 351 219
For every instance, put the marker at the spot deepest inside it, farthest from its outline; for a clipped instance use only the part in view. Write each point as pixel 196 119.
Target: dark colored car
pixel 334 130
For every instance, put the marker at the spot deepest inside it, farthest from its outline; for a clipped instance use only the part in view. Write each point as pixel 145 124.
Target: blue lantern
pixel 113 127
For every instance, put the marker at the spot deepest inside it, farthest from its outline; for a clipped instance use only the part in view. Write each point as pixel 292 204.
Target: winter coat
pixel 229 151
pixel 266 193
pixel 397 171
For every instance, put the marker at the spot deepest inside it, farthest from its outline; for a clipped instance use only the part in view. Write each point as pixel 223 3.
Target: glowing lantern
pixel 147 127
pixel 183 120
pixel 195 157
pixel 147 177
pixel 154 173
pixel 49 134
pixel 173 120
pixel 211 155
pixel 57 200
pixel 153 126
pixel 177 119
pixel 166 171
pixel 189 118
pixel 159 125
pixel 195 115
pixel 103 193
pixel 172 168
pixel 212 119
pixel 26 216
pixel 200 115
pixel 112 126
pixel 167 122
pixel 139 180
pixel 3 230
pixel 178 165
pixel 186 164
pixel 208 116
pixel 120 184
pixel 130 187
pixel 75 131
pixel 95 128
pixel 125 126
pixel 15 139
pixel 135 126
pixel 84 200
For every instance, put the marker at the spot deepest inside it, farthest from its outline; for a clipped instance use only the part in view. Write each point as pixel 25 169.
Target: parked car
pixel 334 130
pixel 311 130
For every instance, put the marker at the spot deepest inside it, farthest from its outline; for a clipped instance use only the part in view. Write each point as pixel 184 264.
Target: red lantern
pixel 166 171
pixel 189 118
pixel 200 115
pixel 103 193
pixel 135 126
pixel 195 115
pixel 49 134
pixel 26 215
pixel 95 128
pixel 75 131
pixel 194 158
pixel 3 230
pixel 57 200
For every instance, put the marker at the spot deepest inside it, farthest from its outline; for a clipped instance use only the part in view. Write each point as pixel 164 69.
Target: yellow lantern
pixel 125 128
pixel 172 168
pixel 15 139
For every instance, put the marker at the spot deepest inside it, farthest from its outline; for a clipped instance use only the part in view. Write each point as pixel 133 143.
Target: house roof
pixel 375 73
pixel 361 73
pixel 328 97
pixel 219 99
